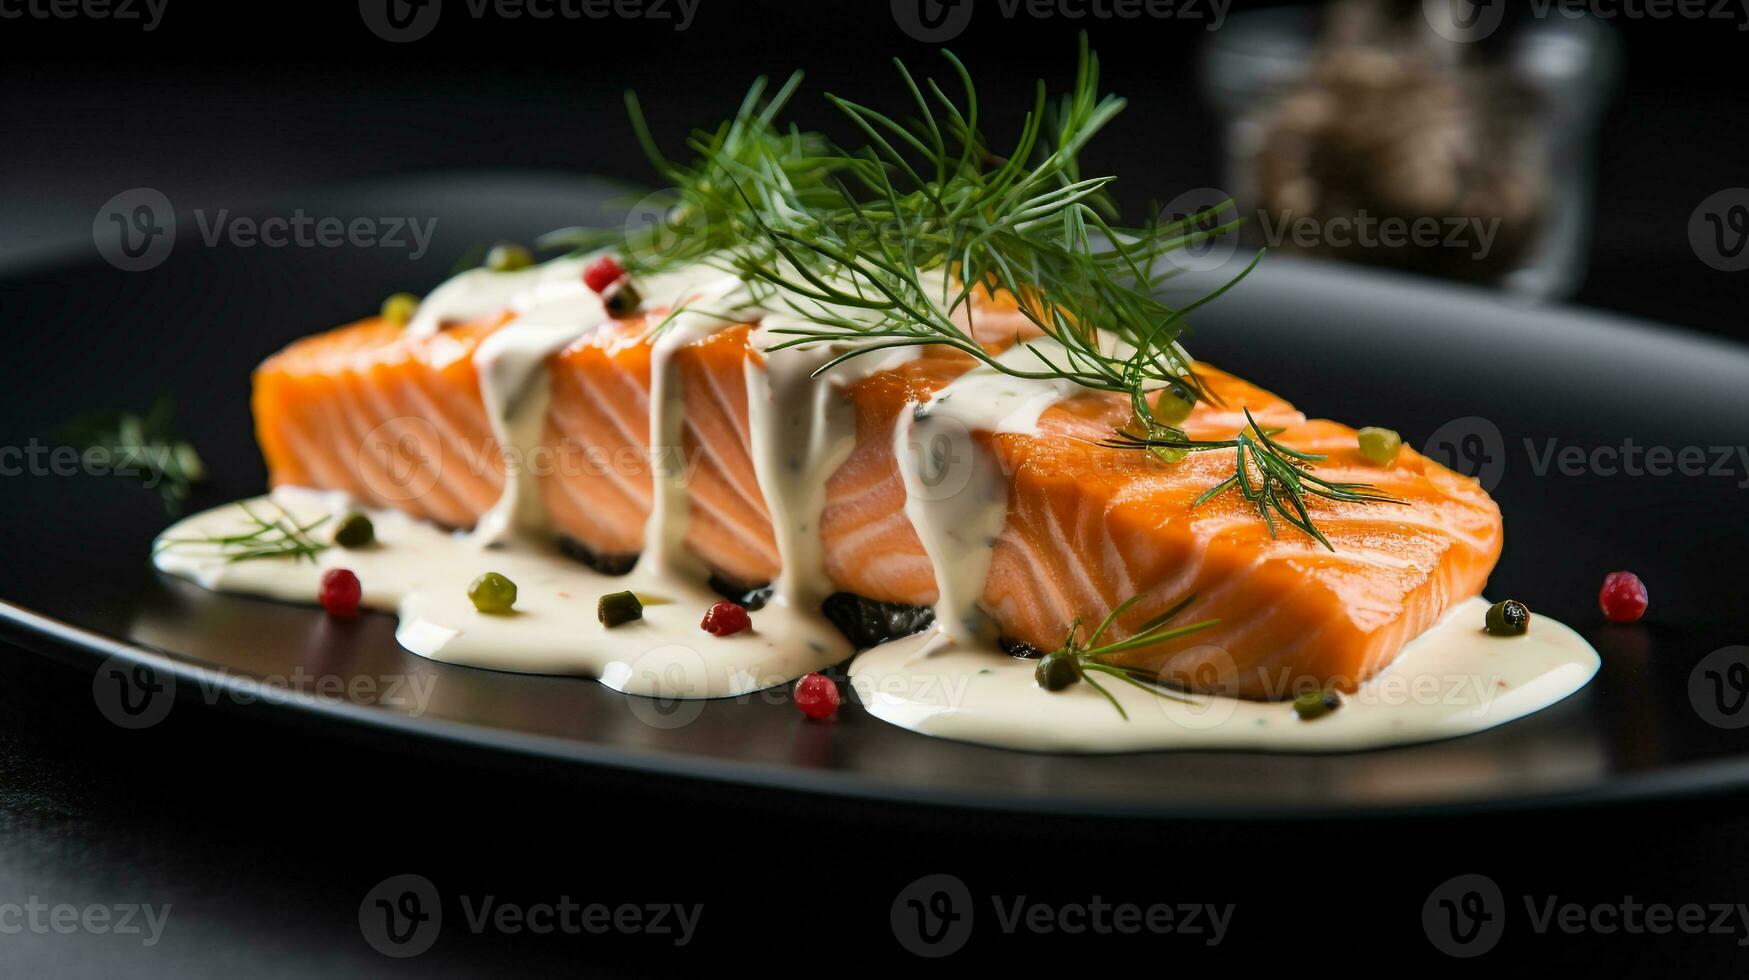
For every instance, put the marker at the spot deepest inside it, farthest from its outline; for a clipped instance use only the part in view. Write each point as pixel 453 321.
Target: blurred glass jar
pixel 1368 132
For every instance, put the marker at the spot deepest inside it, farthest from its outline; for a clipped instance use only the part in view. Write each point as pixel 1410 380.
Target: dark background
pixel 228 105
pixel 266 836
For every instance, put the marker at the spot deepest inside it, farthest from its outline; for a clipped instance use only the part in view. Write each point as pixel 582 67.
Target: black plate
pixel 1482 382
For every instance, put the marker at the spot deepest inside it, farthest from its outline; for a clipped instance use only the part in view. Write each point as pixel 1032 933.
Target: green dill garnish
pixel 1079 660
pixel 278 537
pixel 144 447
pixel 1273 477
pixel 889 243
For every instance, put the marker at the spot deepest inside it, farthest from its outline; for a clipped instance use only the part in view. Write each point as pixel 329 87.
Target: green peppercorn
pixel 1379 446
pixel 621 298
pixel 618 609
pixel 1175 402
pixel 355 531
pixel 493 594
pixel 1313 705
pixel 1057 670
pixel 1508 618
pixel 508 258
pixel 400 308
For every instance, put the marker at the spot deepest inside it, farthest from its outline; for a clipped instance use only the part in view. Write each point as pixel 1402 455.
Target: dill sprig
pixel 1275 478
pixel 929 215
pixel 889 244
pixel 1078 660
pixel 145 447
pixel 278 537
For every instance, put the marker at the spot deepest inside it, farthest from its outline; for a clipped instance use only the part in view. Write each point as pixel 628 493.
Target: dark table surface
pixel 263 840
pixel 264 836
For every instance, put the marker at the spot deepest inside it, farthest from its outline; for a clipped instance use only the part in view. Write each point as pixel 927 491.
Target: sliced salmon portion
pixel 1087 527
pixel 392 420
pixel 598 426
pixel 598 492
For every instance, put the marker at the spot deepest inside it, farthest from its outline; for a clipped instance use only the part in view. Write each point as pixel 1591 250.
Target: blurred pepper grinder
pixel 1431 137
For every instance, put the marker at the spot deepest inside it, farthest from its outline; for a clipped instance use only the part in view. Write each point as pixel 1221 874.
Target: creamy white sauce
pixel 955 492
pixel 949 681
pixel 1452 680
pixel 422 573
pixel 704 301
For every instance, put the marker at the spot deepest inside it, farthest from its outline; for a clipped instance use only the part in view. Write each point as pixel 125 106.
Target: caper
pixel 355 531
pixel 1379 446
pixel 1175 402
pixel 621 298
pixel 493 594
pixel 1057 670
pixel 400 308
pixel 618 609
pixel 508 258
pixel 1313 705
pixel 1508 618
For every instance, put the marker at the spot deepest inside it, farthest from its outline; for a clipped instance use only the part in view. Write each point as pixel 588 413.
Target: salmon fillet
pixel 1087 527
